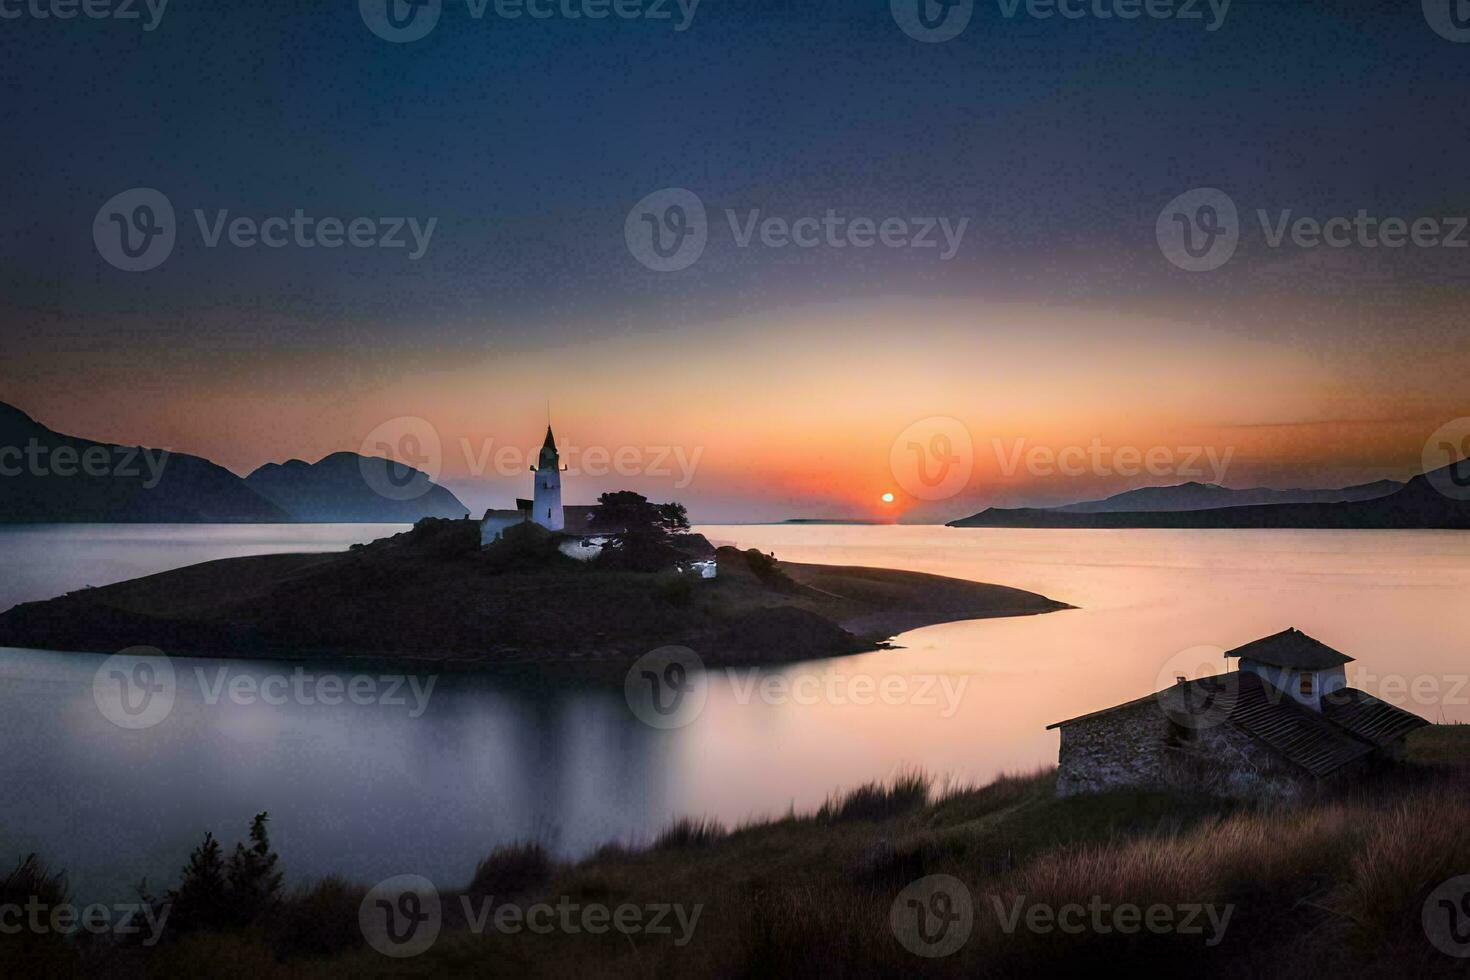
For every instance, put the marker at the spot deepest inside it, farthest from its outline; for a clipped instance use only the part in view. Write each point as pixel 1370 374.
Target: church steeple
pixel 546 496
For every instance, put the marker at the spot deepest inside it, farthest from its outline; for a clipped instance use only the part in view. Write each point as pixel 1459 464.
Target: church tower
pixel 546 501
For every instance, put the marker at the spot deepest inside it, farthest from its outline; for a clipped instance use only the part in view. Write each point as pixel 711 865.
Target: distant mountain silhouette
pixel 1208 496
pixel 348 488
pixel 89 481
pixel 832 520
pixel 1432 500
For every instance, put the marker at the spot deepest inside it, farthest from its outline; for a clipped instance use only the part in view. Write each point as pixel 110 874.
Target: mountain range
pixel 49 477
pixel 1209 496
pixel 1438 499
pixel 338 489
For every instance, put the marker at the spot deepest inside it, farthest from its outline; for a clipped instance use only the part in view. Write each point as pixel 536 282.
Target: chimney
pixel 1180 678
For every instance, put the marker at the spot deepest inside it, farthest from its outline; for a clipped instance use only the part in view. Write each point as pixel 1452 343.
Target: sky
pixel 1026 301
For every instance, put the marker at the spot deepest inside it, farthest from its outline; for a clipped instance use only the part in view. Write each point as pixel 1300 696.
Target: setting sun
pixel 888 497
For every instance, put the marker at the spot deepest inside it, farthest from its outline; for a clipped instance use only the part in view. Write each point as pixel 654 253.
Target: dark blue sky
pixel 530 140
pixel 1059 140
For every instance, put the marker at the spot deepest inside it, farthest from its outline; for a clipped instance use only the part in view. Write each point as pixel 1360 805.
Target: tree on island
pixel 648 537
pixel 635 514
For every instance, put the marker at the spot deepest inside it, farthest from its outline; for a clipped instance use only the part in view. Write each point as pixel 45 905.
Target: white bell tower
pixel 546 500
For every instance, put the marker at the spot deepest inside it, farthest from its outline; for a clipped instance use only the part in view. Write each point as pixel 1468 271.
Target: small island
pixel 528 596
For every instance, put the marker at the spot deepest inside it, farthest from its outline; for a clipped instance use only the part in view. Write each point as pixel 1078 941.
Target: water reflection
pixel 359 787
pixel 370 791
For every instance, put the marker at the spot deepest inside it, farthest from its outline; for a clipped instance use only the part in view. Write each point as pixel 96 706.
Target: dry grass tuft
pixel 906 792
pixel 511 870
pixel 690 832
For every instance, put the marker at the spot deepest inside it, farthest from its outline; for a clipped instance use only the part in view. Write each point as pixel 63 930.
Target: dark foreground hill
pixel 348 488
pixel 433 594
pixel 1150 883
pixel 1429 501
pixel 49 477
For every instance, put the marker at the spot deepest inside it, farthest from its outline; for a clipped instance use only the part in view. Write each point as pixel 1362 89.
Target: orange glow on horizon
pixel 796 414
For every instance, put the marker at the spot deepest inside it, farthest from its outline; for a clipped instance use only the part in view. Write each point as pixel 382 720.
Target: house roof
pixel 1295 731
pixel 1106 711
pixel 1367 717
pixel 1293 649
pixel 1351 725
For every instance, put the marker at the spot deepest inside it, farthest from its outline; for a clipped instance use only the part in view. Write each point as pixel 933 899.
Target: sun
pixel 888 497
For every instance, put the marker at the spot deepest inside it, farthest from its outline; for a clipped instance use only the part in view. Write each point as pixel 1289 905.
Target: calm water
pixel 380 789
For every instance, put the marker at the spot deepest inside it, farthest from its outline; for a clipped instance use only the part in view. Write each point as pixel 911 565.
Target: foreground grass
pixel 1334 884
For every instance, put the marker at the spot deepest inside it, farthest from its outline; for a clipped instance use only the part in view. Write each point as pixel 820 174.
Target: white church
pixel 546 496
pixel 575 522
pixel 545 506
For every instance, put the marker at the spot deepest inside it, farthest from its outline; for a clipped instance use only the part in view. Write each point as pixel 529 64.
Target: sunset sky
pixel 785 373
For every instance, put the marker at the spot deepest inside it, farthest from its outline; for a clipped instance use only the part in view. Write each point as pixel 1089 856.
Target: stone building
pixel 1282 723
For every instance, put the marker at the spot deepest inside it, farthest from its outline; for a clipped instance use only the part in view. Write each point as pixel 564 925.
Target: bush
pixel 217 894
pixel 253 883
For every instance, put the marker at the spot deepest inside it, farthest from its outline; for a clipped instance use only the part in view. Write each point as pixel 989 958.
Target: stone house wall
pixel 1123 748
pixel 1139 747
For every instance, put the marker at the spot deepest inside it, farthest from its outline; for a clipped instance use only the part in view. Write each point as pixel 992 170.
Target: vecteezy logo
pixel 1208 693
pixel 401 459
pixel 932 21
pixel 933 916
pixel 1447 459
pixel 401 916
pixel 667 230
pixel 135 688
pixel 666 688
pixel 400 21
pixel 933 458
pixel 1198 230
pixel 1446 917
pixel 1450 19
pixel 134 231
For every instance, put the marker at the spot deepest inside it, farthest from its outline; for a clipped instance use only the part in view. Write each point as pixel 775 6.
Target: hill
pixel 47 477
pixel 50 477
pixel 348 488
pixel 1155 882
pixel 1209 496
pixel 1429 501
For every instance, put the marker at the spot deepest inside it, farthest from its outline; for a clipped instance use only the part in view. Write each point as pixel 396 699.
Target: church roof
pixel 1293 649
